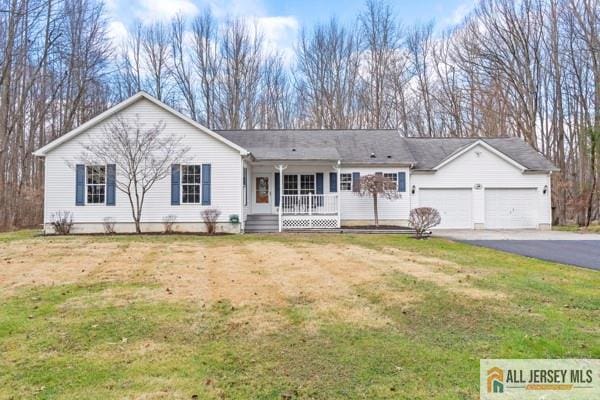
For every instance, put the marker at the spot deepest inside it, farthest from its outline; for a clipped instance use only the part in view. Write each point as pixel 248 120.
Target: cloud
pixel 117 31
pixel 223 9
pixel 280 34
pixel 459 13
pixel 153 10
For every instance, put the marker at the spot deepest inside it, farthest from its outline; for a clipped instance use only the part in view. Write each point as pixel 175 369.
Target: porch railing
pixel 309 204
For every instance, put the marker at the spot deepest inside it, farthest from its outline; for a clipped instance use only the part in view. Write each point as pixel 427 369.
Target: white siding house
pixel 226 169
pixel 481 189
pixel 278 180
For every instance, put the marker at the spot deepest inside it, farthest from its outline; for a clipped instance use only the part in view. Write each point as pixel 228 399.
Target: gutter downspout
pixel 339 195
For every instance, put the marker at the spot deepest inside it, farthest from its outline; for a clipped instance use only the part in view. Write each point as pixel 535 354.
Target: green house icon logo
pixel 495 380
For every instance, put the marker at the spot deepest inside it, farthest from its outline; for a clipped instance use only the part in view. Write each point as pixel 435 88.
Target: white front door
pixel 262 194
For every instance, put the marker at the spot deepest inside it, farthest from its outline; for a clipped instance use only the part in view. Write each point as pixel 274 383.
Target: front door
pixel 262 194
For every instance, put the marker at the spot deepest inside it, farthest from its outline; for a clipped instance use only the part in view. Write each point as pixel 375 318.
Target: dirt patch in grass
pixel 259 275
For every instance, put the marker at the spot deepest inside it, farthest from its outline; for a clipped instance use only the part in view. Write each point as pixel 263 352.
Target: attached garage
pixel 511 208
pixel 455 206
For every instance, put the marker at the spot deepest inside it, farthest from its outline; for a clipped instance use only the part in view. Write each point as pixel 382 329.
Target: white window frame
pixel 283 188
pixel 181 184
pixel 298 190
pixel 393 176
pixel 349 175
pixel 95 184
pixel 314 184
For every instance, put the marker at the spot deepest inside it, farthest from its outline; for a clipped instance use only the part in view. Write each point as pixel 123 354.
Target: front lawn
pixel 277 316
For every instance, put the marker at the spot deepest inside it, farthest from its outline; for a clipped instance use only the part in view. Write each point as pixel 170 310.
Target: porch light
pixel 545 189
pixel 372 155
pixel 413 189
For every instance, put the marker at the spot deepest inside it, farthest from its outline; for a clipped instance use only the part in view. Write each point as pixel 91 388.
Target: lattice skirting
pixel 309 222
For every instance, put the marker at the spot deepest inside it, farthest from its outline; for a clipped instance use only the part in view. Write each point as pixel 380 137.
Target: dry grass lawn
pixel 277 316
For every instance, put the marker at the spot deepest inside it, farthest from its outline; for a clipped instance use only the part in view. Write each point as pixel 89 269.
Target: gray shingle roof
pixel 430 152
pixel 356 147
pixel 350 146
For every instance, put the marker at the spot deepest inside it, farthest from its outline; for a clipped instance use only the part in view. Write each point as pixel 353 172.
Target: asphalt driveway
pixel 582 250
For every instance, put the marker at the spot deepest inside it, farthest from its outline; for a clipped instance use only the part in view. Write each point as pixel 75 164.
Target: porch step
pixel 262 223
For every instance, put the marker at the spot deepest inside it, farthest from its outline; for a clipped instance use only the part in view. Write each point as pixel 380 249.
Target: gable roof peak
pixel 120 107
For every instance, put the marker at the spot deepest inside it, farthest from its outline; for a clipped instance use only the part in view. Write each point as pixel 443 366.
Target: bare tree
pixel 326 76
pixel 381 36
pixel 377 186
pixel 419 45
pixel 182 70
pixel 142 156
pixel 241 52
pixel 155 54
pixel 207 63
pixel 422 219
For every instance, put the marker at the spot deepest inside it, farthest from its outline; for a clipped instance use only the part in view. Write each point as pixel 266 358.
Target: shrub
pixel 422 219
pixel 109 225
pixel 62 222
pixel 210 216
pixel 168 222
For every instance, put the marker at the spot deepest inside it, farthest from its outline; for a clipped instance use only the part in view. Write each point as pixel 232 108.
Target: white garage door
pixel 454 205
pixel 510 208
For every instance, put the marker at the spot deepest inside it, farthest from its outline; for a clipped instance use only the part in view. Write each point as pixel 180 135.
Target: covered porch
pixel 299 196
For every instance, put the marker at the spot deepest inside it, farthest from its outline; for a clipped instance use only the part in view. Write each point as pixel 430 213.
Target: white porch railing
pixel 309 211
pixel 309 204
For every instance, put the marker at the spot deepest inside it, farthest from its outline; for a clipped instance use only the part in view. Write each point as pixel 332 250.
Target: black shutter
pixel 80 185
pixel 111 177
pixel 356 181
pixel 319 183
pixel 206 179
pixel 175 177
pixel 333 182
pixel 277 189
pixel 402 181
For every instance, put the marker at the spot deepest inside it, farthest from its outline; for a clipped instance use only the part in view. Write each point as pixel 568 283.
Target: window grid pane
pixel 190 183
pixel 307 184
pixel 290 184
pixel 346 182
pixel 393 177
pixel 96 184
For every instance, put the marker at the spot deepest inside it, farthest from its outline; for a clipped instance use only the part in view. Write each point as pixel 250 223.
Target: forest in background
pixel 526 68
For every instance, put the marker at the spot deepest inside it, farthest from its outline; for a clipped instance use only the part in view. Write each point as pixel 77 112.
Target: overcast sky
pixel 281 20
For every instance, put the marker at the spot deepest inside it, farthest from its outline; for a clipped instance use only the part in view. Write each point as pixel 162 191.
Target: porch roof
pixel 349 146
pixel 300 153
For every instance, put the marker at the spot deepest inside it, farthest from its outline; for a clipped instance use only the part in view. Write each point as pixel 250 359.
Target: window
pixel 307 184
pixel 96 184
pixel 290 184
pixel 392 177
pixel 291 187
pixel 190 184
pixel 345 182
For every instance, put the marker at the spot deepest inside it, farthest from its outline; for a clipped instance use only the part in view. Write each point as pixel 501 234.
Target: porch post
pixel 339 196
pixel 280 210
pixel 310 209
